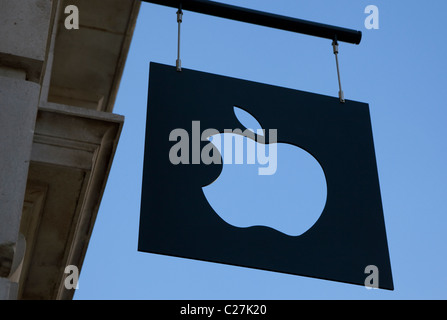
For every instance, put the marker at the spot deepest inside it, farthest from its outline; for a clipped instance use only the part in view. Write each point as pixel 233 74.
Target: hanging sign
pixel 186 112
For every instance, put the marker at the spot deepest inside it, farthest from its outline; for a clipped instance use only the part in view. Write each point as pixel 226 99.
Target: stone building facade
pixel 58 134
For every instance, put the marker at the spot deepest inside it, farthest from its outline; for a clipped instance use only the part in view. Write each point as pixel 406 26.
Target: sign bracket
pixel 222 10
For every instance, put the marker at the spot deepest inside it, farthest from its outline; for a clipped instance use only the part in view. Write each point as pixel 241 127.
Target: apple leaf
pixel 248 121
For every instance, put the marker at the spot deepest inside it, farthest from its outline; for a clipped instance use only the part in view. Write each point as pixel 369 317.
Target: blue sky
pixel 399 69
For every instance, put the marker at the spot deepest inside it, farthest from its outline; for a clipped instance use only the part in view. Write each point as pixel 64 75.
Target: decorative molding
pixel 81 143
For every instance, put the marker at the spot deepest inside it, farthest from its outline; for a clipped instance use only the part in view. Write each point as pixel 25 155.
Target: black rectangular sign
pixel 346 243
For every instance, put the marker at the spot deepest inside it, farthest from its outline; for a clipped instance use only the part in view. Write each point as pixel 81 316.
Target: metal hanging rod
pixel 265 19
pixel 341 95
pixel 178 62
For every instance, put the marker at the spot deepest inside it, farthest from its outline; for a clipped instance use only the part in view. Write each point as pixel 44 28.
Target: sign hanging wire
pixel 178 62
pixel 340 92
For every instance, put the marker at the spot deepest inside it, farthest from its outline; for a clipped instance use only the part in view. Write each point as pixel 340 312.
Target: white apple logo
pixel 289 201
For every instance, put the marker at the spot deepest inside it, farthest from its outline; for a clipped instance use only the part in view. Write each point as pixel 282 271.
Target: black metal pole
pixel 265 19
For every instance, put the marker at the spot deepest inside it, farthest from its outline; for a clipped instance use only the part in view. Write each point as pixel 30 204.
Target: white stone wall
pixel 23 47
pixel 57 135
